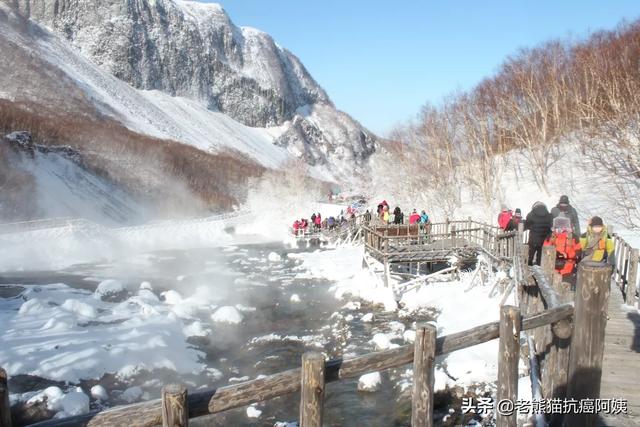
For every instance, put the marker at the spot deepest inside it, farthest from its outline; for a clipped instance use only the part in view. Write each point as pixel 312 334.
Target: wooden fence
pixel 403 243
pixel 565 349
pixel 625 269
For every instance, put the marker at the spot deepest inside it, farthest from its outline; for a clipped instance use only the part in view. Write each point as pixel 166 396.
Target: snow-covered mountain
pixel 217 84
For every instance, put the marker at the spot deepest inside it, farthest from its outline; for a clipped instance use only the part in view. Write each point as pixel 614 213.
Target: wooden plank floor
pixel 621 363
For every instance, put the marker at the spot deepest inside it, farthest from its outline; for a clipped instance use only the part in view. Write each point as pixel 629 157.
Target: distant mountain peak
pixel 193 50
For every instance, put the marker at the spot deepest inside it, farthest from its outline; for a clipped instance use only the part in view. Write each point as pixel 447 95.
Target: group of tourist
pixel 396 217
pixel 318 223
pixel 560 228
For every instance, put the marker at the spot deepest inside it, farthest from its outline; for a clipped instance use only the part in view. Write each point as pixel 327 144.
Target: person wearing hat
pixel 516 219
pixel 596 244
pixel 564 208
pixel 568 249
pixel 538 222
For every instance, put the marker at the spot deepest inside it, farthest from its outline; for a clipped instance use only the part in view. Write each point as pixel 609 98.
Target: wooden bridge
pixel 417 245
pixel 574 355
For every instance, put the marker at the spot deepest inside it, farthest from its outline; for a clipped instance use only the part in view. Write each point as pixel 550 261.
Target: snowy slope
pixel 64 188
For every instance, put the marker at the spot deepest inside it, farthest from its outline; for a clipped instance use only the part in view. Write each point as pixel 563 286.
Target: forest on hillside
pixel 583 93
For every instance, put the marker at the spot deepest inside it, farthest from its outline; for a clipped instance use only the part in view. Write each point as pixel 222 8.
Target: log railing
pixel 625 268
pixel 383 240
pixel 565 348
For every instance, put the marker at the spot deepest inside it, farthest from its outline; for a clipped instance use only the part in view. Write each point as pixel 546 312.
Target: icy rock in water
pixel 171 297
pixel 367 318
pixel 131 394
pixel 111 291
pixel 32 306
pixel 294 298
pixel 80 308
pixel 98 392
pixel 196 329
pixel 274 257
pixel 409 336
pixel 54 396
pixel 75 403
pixel 227 314
pixel 253 412
pixel 147 296
pixel 397 328
pixel 146 285
pixel 370 382
pixel 66 405
pixel 381 341
pixel 352 305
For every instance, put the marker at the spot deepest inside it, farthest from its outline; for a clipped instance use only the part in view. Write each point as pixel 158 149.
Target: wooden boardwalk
pixel 621 362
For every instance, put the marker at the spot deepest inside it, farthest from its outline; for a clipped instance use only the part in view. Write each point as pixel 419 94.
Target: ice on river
pixel 62 333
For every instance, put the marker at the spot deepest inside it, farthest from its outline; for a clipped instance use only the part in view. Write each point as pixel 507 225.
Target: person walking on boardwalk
pixel 568 249
pixel 397 216
pixel 504 217
pixel 313 219
pixel 515 220
pixel 539 222
pixel 564 207
pixel 424 218
pixel 318 222
pixel 367 217
pixel 414 218
pixel 385 214
pixel 596 244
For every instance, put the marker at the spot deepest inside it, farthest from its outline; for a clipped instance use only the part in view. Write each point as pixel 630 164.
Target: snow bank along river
pixel 98 335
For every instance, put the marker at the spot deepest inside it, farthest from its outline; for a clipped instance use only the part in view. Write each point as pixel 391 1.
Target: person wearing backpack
pixel 539 222
pixel 414 218
pixel 596 244
pixel 564 207
pixel 568 249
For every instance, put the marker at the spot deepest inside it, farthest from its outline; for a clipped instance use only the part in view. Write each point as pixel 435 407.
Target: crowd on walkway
pixel 560 228
pixel 317 222
pixel 383 216
pixel 397 216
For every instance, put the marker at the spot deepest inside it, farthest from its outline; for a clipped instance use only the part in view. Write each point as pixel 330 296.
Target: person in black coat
pixel 539 222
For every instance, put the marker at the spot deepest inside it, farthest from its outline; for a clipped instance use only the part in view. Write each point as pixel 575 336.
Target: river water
pixel 270 339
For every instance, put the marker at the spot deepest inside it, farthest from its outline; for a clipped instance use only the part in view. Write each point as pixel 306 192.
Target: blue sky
pixel 380 61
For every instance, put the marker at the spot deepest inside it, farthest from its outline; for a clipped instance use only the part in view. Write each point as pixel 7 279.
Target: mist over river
pixel 203 317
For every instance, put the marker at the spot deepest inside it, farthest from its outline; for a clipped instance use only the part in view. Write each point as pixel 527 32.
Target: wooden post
pixel 555 381
pixel 423 377
pixel 548 262
pixel 175 412
pixel 387 273
pixel 525 298
pixel 509 354
pixel 630 290
pixel 587 342
pixel 5 407
pixel 312 389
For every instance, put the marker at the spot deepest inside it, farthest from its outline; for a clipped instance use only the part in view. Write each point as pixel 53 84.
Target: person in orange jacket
pixel 568 248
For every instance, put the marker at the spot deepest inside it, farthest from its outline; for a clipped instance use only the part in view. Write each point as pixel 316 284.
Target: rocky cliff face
pixel 193 50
